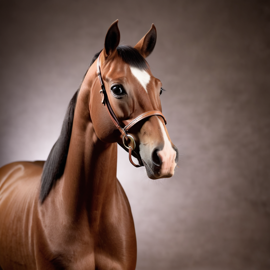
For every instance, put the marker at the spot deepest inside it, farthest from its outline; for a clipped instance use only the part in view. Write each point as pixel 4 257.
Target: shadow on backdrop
pixel 213 59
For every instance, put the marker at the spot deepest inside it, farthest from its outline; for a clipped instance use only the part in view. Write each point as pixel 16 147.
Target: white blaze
pixel 167 154
pixel 142 76
pixel 167 145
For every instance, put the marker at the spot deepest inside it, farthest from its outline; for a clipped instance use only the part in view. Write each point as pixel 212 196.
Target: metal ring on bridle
pixel 131 139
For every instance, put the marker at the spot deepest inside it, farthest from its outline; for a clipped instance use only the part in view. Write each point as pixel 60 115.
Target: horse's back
pixel 19 186
pixel 19 179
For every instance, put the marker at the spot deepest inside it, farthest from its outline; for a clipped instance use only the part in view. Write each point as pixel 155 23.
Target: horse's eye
pixel 118 90
pixel 161 91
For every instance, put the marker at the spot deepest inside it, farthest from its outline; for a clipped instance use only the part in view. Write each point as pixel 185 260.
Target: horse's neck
pixel 89 180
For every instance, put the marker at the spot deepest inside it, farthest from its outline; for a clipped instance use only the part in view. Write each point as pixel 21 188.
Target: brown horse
pixel 72 213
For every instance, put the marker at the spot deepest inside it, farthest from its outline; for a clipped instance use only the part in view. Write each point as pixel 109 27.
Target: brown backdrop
pixel 214 60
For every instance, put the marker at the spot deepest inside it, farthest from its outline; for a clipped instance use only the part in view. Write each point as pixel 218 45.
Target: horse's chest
pixel 115 244
pixel 107 249
pixel 107 243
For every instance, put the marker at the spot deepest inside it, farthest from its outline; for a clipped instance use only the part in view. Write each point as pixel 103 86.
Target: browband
pixel 124 130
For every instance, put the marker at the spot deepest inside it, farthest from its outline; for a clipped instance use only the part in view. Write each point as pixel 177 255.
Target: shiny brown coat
pixel 85 222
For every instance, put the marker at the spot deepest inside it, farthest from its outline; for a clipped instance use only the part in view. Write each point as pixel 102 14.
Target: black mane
pixel 55 164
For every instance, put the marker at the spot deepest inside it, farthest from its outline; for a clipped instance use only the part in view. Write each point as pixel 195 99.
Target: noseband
pixel 128 141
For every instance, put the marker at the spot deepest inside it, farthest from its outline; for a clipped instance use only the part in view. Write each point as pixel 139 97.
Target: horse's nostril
pixel 176 150
pixel 155 158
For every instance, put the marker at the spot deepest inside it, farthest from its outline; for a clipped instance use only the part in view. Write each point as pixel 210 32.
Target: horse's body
pixel 78 216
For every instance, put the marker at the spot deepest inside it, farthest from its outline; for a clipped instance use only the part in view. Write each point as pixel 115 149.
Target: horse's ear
pixel 147 44
pixel 112 39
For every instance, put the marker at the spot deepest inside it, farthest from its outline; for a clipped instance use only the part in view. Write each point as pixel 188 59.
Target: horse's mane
pixel 55 164
pixel 56 161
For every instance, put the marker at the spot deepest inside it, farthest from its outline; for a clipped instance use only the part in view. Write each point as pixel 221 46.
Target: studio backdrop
pixel 213 58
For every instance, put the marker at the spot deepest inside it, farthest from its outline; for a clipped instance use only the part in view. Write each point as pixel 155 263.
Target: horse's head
pixel 131 95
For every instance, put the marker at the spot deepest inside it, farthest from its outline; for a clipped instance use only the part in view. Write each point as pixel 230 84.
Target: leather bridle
pixel 126 138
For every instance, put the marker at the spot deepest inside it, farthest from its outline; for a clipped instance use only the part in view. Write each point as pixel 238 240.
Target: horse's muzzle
pixel 161 163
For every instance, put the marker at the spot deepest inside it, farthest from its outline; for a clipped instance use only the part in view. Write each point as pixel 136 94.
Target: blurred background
pixel 213 58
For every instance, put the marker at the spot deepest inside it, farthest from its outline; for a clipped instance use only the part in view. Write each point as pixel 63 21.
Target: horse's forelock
pixel 132 57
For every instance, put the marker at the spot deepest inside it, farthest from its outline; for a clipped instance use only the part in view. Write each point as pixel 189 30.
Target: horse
pixel 71 212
